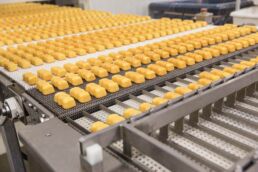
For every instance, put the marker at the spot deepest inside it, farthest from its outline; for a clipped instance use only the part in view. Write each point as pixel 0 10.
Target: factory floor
pixel 4 166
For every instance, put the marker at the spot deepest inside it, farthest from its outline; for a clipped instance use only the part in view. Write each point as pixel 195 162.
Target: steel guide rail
pixel 135 89
pixel 135 134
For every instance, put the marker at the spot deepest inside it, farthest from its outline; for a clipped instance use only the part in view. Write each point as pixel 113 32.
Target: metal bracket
pixel 15 109
pixel 11 110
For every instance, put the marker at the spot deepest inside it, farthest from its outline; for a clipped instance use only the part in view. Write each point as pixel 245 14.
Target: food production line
pixel 104 92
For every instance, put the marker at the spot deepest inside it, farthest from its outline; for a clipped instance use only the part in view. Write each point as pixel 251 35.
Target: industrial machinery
pixel 128 93
pixel 187 9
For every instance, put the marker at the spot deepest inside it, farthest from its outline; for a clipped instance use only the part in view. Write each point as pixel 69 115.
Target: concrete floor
pixel 4 166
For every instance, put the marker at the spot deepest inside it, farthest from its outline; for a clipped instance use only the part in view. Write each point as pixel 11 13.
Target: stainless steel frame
pixel 139 134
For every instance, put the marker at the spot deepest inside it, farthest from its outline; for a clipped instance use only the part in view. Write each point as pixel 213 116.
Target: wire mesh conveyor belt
pixel 149 96
pixel 48 101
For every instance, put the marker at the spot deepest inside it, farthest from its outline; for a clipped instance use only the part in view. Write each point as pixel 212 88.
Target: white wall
pixel 139 7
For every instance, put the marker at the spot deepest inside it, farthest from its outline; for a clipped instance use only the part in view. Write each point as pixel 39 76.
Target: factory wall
pixel 139 7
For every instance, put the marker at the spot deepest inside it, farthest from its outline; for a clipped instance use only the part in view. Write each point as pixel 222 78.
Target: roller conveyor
pixel 199 117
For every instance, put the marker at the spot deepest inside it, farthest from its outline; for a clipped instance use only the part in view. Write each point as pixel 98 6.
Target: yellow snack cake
pixel 64 100
pixel 59 83
pixel 194 86
pixel 231 48
pixel 179 48
pixel 180 64
pixel 36 61
pixel 48 58
pixel 10 66
pixel 220 73
pixel 86 74
pixel 130 112
pixel 44 74
pixel 223 50
pixel 111 68
pixel 143 58
pixel 230 70
pixel 58 71
pixel 122 81
pixel 169 66
pixel 30 78
pixel 153 56
pixel 135 77
pixel 149 74
pixel 188 46
pixel 3 61
pixel 58 96
pixel 133 61
pixel 159 70
pixel 239 66
pixel 24 63
pixel 106 59
pixel 171 95
pixel 248 63
pixel 158 101
pixel 44 87
pixel 99 71
pixel 94 61
pixel 196 57
pixel 96 90
pixel 58 56
pixel 171 51
pixel 109 85
pixel 113 119
pixel 80 94
pixel 83 65
pixel 215 52
pixel 71 68
pixel 123 64
pixel 189 61
pixel 205 54
pixel 204 81
pixel 73 79
pixel 70 54
pixel 209 76
pixel 97 126
pixel 162 53
pixel 67 102
pixel 145 107
pixel 182 90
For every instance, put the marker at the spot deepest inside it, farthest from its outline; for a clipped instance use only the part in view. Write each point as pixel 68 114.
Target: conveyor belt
pixel 218 144
pixel 172 74
pixel 94 104
pixel 134 101
pixel 18 75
